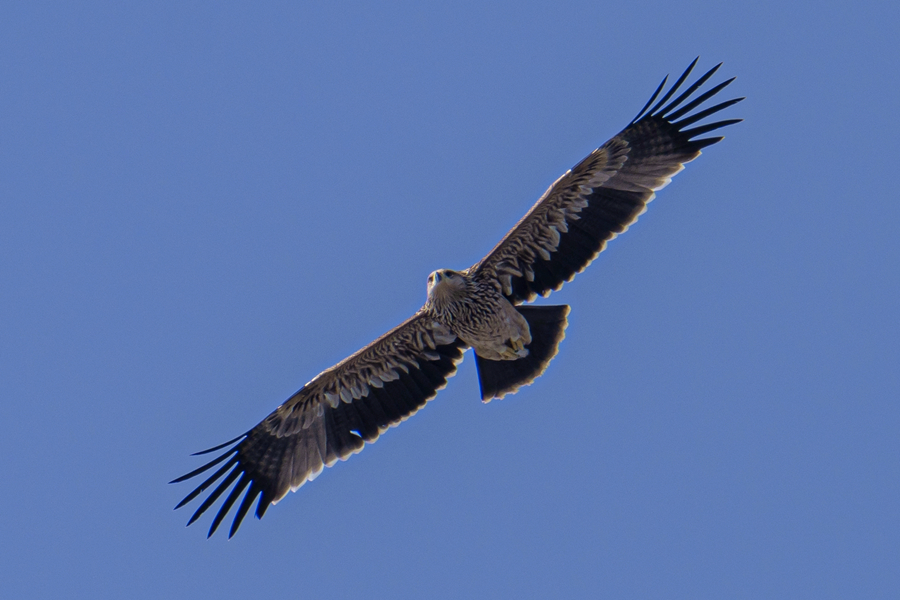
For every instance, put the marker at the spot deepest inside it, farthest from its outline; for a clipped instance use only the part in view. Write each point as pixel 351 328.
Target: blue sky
pixel 204 205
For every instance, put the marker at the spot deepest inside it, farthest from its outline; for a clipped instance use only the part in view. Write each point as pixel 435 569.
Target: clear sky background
pixel 204 205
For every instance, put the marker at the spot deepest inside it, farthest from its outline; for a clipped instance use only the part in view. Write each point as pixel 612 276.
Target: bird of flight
pixel 349 405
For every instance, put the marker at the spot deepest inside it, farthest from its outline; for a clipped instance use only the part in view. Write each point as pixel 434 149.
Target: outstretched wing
pixel 330 418
pixel 604 194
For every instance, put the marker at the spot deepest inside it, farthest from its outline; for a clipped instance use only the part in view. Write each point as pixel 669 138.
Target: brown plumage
pixel 351 404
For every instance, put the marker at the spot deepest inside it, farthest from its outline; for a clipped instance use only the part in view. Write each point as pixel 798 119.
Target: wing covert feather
pixel 331 418
pixel 602 195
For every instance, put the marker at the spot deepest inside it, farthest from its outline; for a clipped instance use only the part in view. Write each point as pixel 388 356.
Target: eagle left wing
pixel 330 418
pixel 601 196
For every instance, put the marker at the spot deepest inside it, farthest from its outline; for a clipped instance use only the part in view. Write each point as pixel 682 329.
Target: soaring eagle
pixel 482 307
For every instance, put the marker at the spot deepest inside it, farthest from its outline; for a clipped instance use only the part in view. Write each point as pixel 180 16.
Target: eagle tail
pixel 548 328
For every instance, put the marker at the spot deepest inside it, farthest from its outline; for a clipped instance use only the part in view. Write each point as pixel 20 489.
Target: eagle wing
pixel 605 193
pixel 330 418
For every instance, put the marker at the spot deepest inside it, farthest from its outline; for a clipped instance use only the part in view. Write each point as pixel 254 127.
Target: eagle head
pixel 444 285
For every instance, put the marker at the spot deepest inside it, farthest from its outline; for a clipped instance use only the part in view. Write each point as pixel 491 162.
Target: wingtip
pixel 220 446
pixel 183 478
pixel 217 520
pixel 659 88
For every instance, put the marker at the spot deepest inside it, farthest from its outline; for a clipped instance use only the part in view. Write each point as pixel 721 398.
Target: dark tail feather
pixel 548 328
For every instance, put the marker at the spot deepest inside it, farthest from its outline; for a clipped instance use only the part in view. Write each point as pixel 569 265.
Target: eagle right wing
pixel 602 195
pixel 330 418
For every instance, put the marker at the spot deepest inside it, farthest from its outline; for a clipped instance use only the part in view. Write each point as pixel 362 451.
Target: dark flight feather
pixel 604 194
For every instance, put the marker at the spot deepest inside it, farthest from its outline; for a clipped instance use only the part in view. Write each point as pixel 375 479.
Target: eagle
pixel 483 308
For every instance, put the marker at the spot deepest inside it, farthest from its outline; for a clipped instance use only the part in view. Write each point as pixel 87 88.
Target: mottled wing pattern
pixel 604 194
pixel 330 418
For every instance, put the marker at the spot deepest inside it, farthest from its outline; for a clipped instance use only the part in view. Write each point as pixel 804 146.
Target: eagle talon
pixel 515 349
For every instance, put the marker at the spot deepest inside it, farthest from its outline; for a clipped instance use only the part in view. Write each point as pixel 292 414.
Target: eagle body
pixel 476 311
pixel 484 307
